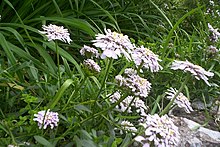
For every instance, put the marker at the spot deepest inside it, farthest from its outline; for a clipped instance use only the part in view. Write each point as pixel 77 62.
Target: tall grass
pixel 30 74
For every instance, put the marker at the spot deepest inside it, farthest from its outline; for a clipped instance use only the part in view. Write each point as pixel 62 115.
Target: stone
pixel 193 134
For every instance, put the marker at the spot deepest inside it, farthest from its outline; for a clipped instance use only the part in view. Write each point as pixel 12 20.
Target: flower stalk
pixel 110 61
pixel 167 108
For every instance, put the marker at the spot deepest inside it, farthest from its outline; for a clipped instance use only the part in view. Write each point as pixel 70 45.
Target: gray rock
pixel 193 134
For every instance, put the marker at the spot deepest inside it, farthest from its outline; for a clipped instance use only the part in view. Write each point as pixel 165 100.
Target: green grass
pixel 29 73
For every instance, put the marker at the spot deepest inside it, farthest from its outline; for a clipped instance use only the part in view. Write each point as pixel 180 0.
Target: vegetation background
pixel 173 29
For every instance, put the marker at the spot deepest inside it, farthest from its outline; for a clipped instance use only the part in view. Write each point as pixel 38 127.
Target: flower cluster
pixel 91 65
pixel 181 100
pixel 138 85
pixel 215 35
pixel 89 51
pixel 45 118
pixel 159 131
pixel 54 32
pixel 212 50
pixel 197 71
pixel 146 58
pixel 128 127
pixel 113 44
pixel 213 9
pixel 128 103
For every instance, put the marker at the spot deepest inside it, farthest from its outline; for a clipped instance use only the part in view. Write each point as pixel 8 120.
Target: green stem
pixel 107 109
pixel 156 104
pixel 105 78
pixel 75 92
pixel 58 64
pixel 167 108
pixel 96 114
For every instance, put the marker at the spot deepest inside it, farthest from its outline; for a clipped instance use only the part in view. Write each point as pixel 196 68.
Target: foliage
pixel 39 75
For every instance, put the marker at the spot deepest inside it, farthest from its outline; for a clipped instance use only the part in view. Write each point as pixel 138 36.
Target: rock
pixel 194 142
pixel 193 134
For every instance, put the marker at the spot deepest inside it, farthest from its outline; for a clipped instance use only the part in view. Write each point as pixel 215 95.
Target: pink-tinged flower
pixel 129 104
pixel 46 118
pixel 212 50
pixel 128 127
pixel 91 65
pixel 89 51
pixel 215 35
pixel 132 81
pixel 197 71
pixel 181 100
pixel 54 32
pixel 113 45
pixel 146 58
pixel 159 131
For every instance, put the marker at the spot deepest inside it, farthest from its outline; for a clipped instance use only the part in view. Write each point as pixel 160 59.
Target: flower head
pixel 146 58
pixel 45 118
pixel 129 104
pixel 197 71
pixel 215 35
pixel 128 127
pixel 212 50
pixel 89 51
pixel 91 65
pixel 132 81
pixel 159 131
pixel 113 44
pixel 54 32
pixel 181 100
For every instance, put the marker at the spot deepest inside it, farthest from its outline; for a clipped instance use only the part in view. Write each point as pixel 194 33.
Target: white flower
pixel 138 85
pixel 128 127
pixel 146 58
pixel 140 106
pixel 11 145
pixel 215 35
pixel 113 44
pixel 91 65
pixel 54 32
pixel 197 71
pixel 211 3
pixel 89 51
pixel 181 100
pixel 46 118
pixel 159 131
pixel 130 104
pixel 212 50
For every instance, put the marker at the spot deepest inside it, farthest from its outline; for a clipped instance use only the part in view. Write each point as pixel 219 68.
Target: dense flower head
pixel 212 50
pixel 128 127
pixel 132 81
pixel 113 44
pixel 146 58
pixel 129 104
pixel 181 100
pixel 197 71
pixel 89 51
pixel 91 65
pixel 46 118
pixel 215 35
pixel 54 32
pixel 159 131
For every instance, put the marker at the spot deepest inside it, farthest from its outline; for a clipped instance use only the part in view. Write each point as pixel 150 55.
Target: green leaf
pixel 43 141
pixel 82 108
pixel 60 93
pixel 65 55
